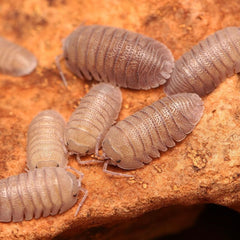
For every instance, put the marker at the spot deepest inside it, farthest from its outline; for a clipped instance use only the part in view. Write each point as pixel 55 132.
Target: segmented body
pixel 45 141
pixel 15 60
pixel 93 117
pixel 117 56
pixel 41 192
pixel 207 64
pixel 138 138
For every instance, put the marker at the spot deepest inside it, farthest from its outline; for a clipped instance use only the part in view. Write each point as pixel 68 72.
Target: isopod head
pixel 16 60
pixel 23 63
pixel 70 190
pixel 115 154
pixel 46 164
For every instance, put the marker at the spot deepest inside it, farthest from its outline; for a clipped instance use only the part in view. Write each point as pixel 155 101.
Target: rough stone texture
pixel 204 168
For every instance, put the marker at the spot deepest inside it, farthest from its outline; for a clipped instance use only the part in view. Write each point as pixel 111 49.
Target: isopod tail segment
pixel 58 59
pixel 85 191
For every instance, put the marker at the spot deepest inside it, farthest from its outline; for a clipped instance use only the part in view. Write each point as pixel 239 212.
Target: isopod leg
pixel 57 60
pixel 114 173
pixel 85 191
pixel 97 146
pixel 87 161
pixel 76 171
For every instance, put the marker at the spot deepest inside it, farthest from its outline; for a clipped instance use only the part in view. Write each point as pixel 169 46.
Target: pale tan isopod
pixel 207 64
pixel 93 117
pixel 134 141
pixel 41 192
pixel 118 56
pixel 45 141
pixel 15 60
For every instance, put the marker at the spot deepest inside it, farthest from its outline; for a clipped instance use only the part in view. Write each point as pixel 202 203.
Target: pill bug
pixel 207 64
pixel 41 192
pixel 137 139
pixel 45 141
pixel 15 60
pixel 93 117
pixel 117 56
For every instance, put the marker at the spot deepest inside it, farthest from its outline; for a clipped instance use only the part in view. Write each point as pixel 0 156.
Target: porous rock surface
pixel 204 168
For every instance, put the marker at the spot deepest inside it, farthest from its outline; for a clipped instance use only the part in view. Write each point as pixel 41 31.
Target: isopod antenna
pixel 58 60
pixel 85 191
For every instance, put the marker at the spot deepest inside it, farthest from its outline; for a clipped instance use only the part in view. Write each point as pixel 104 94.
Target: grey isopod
pixel 15 60
pixel 207 64
pixel 88 124
pixel 117 56
pixel 45 141
pixel 41 192
pixel 137 139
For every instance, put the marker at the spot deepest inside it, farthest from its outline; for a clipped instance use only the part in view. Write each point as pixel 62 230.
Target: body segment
pixel 207 64
pixel 93 117
pixel 45 141
pixel 134 141
pixel 117 56
pixel 15 60
pixel 41 192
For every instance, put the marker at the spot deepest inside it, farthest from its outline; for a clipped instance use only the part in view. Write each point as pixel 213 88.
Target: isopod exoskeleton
pixel 15 60
pixel 117 56
pixel 93 117
pixel 137 139
pixel 41 192
pixel 45 141
pixel 207 64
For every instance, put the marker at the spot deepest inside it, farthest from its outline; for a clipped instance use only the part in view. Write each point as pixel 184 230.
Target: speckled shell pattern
pixel 15 60
pixel 45 141
pixel 137 139
pixel 97 111
pixel 207 64
pixel 41 192
pixel 118 56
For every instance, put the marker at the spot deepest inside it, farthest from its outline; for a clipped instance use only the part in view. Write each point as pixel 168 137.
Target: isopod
pixel 207 64
pixel 93 117
pixel 15 60
pixel 41 192
pixel 117 56
pixel 137 139
pixel 45 141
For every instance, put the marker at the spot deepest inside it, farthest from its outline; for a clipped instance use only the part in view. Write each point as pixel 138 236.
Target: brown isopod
pixel 137 139
pixel 15 60
pixel 207 64
pixel 117 56
pixel 91 120
pixel 41 192
pixel 45 141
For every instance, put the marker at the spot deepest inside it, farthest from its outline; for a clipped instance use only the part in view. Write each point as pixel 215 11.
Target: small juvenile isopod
pixel 207 64
pixel 93 117
pixel 117 56
pixel 41 192
pixel 15 60
pixel 45 141
pixel 137 139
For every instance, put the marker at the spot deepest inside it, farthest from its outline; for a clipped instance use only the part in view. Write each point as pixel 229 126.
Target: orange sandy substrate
pixel 203 168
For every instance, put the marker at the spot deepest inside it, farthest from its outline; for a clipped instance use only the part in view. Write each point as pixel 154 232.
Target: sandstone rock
pixel 204 168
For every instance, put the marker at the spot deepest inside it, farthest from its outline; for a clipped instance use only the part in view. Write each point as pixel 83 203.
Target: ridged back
pixel 138 138
pixel 207 64
pixel 37 193
pixel 118 56
pixel 95 114
pixel 45 141
pixel 15 60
